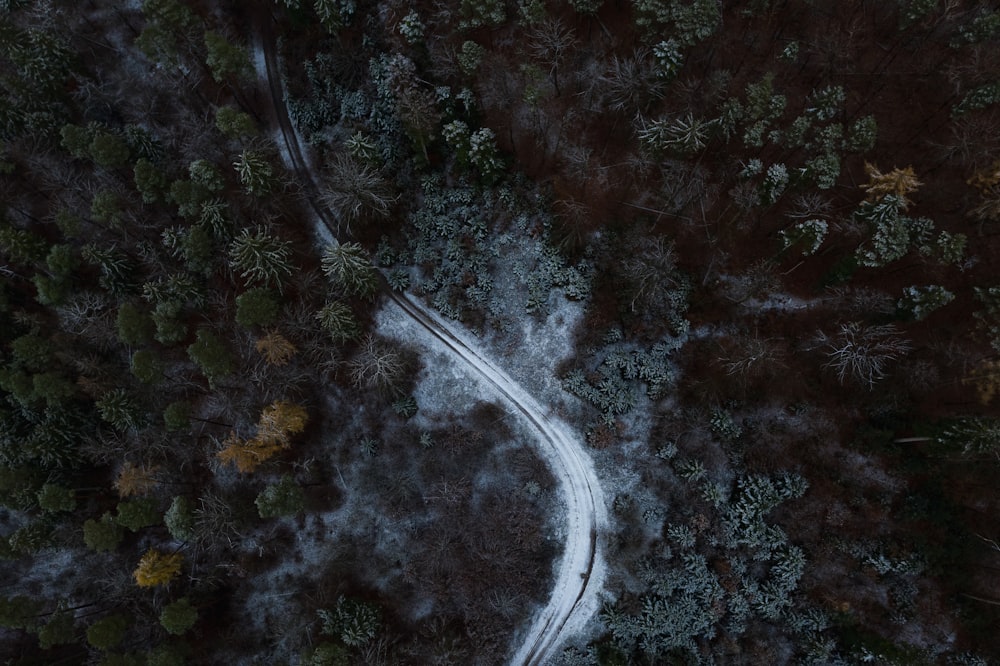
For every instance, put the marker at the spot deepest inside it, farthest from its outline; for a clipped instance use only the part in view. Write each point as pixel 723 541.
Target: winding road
pixel 581 569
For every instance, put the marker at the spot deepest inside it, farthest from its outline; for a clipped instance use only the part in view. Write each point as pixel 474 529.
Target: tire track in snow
pixel 581 569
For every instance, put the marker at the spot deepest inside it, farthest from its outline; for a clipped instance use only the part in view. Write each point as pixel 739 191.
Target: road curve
pixel 581 568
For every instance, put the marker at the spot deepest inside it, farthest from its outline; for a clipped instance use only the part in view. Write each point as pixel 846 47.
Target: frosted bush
pixel 809 234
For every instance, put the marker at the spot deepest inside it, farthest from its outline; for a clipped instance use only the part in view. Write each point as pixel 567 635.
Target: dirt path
pixel 581 569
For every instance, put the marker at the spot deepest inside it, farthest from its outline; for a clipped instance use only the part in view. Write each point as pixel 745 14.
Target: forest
pixel 743 250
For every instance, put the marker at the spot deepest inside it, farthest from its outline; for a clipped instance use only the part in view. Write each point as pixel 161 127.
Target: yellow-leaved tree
pixel 986 379
pixel 156 568
pixel 987 181
pixel 898 182
pixel 278 422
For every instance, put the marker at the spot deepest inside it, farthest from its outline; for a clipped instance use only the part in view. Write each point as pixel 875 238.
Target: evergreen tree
pixel 256 307
pixel 134 325
pixel 257 256
pixel 226 60
pixel 120 409
pixel 150 182
pixel 136 514
pixel 108 150
pixel 179 616
pixel 59 630
pixel 284 498
pixel 212 355
pixel 107 632
pixel 147 366
pixel 349 268
pixel 177 415
pixel 54 498
pixel 102 535
pixel 179 519
pixel 337 319
pixel 255 172
pixel 233 123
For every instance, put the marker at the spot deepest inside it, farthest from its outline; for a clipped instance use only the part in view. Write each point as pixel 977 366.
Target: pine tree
pixel 59 630
pixel 337 319
pixel 108 150
pixel 356 623
pixel 134 325
pixel 260 257
pixel 120 409
pixel 177 415
pixel 349 268
pixel 254 171
pixel 147 366
pixel 233 123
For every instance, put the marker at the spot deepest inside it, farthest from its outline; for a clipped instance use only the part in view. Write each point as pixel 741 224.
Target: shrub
pixel 808 234
pixel 919 301
pixel 356 623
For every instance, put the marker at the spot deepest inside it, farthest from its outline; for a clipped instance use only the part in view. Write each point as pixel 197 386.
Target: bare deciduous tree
pixel 861 353
pixel 377 366
pixel 356 192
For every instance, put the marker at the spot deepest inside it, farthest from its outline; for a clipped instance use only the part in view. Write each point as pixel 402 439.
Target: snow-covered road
pixel 580 571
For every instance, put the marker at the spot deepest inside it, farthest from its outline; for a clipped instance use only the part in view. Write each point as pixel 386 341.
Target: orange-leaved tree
pixel 278 422
pixel 276 348
pixel 898 182
pixel 135 480
pixel 156 568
